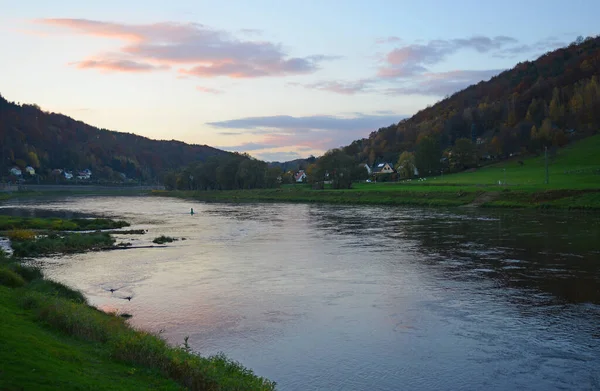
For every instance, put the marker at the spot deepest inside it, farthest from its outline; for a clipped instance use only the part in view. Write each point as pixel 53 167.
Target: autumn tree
pixel 463 154
pixel 339 167
pixel 427 157
pixel 406 165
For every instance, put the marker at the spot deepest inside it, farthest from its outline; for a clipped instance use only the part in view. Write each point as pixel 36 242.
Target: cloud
pixel 247 147
pixel 537 48
pixel 340 87
pixel 319 132
pixel 195 49
pixel 278 156
pixel 443 83
pixel 209 90
pixel 410 60
pixel 390 39
pixel 118 65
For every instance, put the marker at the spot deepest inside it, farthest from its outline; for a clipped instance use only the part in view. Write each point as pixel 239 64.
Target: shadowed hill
pixel 46 141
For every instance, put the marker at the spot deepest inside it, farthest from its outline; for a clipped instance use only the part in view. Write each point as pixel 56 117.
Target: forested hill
pixel 48 141
pixel 536 104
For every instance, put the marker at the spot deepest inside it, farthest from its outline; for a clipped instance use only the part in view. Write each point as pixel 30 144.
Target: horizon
pixel 258 81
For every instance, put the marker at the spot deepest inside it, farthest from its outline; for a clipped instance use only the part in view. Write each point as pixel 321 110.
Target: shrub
pixel 27 272
pixel 57 289
pixel 10 279
pixel 20 234
pixel 162 239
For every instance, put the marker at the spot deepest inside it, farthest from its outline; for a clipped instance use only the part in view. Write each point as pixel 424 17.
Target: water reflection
pixel 555 253
pixel 360 298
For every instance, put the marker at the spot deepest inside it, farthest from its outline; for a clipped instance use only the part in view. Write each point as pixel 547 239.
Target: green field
pixel 51 339
pixel 574 182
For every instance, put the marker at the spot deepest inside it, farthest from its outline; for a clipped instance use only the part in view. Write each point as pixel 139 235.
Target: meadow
pixel 574 182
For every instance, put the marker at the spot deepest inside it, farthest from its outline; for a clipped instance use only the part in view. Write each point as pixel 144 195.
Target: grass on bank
pixel 162 239
pixel 56 224
pixel 574 182
pixel 62 243
pixel 51 339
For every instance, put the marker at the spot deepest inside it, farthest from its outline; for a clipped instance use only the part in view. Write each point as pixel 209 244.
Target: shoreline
pixel 54 339
pixel 577 199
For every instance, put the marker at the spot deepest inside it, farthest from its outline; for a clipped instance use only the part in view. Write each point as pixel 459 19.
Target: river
pixel 322 297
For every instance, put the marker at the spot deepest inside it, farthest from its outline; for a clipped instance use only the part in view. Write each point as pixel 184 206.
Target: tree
pixel 34 162
pixel 428 155
pixel 557 109
pixel 339 166
pixel 406 165
pixel 463 154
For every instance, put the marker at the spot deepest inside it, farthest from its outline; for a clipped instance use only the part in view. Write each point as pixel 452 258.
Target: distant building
pixel 16 171
pixel 365 165
pixel 68 175
pixel 300 176
pixel 30 170
pixel 383 168
pixel 85 174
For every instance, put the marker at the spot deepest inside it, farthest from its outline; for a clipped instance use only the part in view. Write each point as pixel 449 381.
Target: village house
pixel 16 171
pixel 85 174
pixel 367 167
pixel 300 176
pixel 30 170
pixel 383 168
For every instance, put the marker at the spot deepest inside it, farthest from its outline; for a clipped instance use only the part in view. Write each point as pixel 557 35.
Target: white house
pixel 365 165
pixel 68 175
pixel 16 171
pixel 85 174
pixel 30 170
pixel 300 176
pixel 383 168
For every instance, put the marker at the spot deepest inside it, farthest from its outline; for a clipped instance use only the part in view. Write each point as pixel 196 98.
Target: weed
pixel 10 279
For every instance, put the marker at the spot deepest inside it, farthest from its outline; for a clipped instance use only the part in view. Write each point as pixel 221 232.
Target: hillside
pixel 48 141
pixel 538 104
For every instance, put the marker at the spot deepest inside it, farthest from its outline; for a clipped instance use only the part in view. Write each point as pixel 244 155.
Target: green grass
pixel 51 339
pixel 62 243
pixel 34 356
pixel 162 239
pixel 574 183
pixel 55 224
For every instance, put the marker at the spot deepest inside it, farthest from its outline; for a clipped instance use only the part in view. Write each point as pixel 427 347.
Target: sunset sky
pixel 277 79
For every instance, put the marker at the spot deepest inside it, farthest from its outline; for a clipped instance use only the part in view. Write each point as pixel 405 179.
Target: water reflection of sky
pixel 344 297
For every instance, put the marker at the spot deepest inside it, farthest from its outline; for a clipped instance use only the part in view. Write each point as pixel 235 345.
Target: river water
pixel 322 297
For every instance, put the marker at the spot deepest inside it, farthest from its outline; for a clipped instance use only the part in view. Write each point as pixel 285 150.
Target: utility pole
pixel 546 159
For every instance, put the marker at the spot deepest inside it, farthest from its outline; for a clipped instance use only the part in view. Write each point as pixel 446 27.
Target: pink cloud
pixel 196 49
pixel 118 65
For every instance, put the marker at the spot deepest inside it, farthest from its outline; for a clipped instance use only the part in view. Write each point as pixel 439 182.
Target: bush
pixel 57 289
pixel 162 239
pixel 20 234
pixel 141 348
pixel 27 272
pixel 67 243
pixel 10 279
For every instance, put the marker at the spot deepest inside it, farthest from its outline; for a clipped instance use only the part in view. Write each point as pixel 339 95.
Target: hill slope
pixel 48 141
pixel 536 104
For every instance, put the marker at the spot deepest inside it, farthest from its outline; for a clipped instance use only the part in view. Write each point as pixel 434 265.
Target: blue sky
pixel 277 79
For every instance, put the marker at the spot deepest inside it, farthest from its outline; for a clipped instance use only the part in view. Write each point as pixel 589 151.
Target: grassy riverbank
pixel 50 338
pixel 574 182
